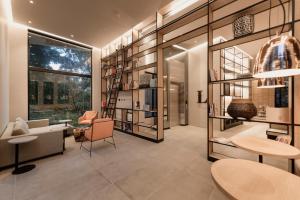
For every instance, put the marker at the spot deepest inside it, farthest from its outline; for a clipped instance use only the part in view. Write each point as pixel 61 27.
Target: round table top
pixel 244 179
pixel 266 147
pixel 65 121
pixel 23 139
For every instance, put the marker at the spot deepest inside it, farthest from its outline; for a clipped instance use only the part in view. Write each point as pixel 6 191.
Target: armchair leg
pixel 114 142
pixel 81 144
pixel 91 149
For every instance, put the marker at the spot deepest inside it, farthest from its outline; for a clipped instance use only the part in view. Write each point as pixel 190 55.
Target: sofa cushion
pixel 46 129
pixel 20 128
pixel 24 123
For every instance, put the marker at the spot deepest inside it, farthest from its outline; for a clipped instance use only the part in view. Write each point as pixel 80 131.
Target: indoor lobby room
pixel 147 100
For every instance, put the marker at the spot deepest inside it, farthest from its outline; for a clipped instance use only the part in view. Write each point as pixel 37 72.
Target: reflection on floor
pixel 174 169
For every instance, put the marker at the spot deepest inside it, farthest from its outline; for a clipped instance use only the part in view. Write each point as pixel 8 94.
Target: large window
pixel 60 79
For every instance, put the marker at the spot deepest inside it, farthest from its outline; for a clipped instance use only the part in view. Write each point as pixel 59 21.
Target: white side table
pixel 17 142
pixel 65 121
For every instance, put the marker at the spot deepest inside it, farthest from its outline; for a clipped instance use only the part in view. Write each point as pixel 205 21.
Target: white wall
pixel 197 77
pixel 18 72
pixel 96 63
pixel 4 73
pixel 18 75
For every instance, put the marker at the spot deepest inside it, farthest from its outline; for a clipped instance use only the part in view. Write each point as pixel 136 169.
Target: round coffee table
pixel 266 147
pixel 244 179
pixel 17 142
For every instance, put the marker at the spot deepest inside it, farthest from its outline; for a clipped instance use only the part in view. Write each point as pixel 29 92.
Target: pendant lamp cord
pixel 270 12
pixel 283 9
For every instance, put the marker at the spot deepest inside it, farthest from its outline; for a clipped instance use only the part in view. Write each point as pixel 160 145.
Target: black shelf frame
pixel 135 56
pixel 256 8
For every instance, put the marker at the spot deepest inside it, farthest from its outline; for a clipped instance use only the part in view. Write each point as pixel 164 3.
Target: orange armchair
pixel 100 130
pixel 88 117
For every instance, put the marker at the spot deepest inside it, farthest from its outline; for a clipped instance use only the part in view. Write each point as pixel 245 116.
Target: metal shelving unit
pixel 208 9
pixel 133 68
pixel 214 24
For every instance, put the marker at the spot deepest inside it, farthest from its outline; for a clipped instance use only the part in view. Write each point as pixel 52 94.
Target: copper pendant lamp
pixel 271 83
pixel 279 57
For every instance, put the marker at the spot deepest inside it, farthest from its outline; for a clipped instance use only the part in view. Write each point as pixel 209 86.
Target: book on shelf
pixel 129 52
pixel 213 75
pixel 211 110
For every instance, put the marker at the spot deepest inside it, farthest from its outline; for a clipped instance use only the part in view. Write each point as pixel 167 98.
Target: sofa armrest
pixel 47 143
pixel 38 123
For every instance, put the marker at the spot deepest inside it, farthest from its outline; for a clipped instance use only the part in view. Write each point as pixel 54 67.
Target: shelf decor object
pixel 241 108
pixel 243 25
pixel 199 99
pixel 280 56
pixel 271 83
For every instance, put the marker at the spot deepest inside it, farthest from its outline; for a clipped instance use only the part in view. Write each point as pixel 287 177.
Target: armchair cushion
pixel 90 114
pixel 88 117
pixel 101 129
pixel 86 121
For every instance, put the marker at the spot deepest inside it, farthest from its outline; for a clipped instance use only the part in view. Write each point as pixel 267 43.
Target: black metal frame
pixel 30 68
pixel 209 83
pixel 91 142
pixel 153 49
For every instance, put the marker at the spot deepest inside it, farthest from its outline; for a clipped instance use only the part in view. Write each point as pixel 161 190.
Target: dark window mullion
pixel 39 69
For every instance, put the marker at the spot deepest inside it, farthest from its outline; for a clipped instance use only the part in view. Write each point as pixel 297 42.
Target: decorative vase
pixel 241 108
pixel 243 25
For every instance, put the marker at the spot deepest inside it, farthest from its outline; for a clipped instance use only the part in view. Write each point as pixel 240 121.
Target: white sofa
pixel 50 141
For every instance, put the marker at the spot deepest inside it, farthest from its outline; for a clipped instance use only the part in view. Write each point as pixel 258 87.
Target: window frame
pixel 39 69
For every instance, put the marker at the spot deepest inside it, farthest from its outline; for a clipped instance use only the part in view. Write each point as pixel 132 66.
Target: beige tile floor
pixel 174 169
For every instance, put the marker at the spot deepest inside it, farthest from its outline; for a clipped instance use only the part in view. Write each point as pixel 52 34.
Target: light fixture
pixel 5 5
pixel 179 5
pixel 271 83
pixel 29 22
pixel 32 2
pixel 179 47
pixel 71 35
pixel 279 57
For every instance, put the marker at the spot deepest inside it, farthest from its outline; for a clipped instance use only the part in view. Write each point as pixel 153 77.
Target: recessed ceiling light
pixel 179 47
pixel 72 35
pixel 29 22
pixel 32 2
